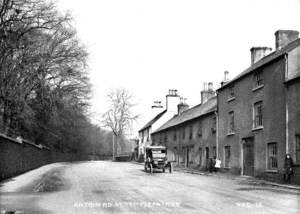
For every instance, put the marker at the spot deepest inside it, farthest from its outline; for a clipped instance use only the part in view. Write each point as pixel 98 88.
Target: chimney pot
pixel 226 76
pixel 284 37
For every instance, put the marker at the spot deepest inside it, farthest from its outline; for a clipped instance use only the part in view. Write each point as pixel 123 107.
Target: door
pixel 187 156
pixel 200 156
pixel 207 157
pixel 248 157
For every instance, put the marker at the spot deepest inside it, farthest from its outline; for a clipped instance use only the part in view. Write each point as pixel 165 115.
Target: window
pixel 231 92
pixel 258 116
pixel 298 148
pixel 214 151
pixel 272 156
pixel 231 122
pixel 191 132
pixel 258 79
pixel 175 136
pixel 200 129
pixel 214 125
pixel 183 133
pixel 166 138
pixel 227 156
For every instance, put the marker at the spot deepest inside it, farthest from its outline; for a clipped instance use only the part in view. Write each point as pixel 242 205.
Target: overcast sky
pixel 151 46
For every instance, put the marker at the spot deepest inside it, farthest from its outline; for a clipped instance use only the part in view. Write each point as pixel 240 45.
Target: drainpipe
pixel 286 108
pixel 217 135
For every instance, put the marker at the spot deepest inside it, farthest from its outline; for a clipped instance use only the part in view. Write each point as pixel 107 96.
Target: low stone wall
pixel 17 157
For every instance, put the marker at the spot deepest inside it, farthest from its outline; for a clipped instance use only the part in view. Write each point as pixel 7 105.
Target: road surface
pixel 111 187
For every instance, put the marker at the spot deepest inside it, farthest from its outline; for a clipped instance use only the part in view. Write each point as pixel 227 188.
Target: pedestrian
pixel 288 168
pixel 211 166
pixel 217 164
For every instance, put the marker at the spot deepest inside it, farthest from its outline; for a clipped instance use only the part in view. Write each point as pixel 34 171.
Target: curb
pixel 293 187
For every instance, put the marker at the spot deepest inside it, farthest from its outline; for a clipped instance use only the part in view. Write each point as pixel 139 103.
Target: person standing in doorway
pixel 288 168
pixel 211 165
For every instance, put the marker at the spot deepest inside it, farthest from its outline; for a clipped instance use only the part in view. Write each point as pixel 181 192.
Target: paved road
pixel 109 187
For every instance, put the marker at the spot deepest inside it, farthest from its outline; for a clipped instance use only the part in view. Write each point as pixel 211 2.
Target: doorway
pixel 187 156
pixel 248 156
pixel 200 156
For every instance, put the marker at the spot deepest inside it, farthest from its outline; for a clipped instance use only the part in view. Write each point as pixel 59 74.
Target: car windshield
pixel 158 153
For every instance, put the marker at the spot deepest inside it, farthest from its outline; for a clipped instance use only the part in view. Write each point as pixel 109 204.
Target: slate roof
pixel 152 121
pixel 190 114
pixel 272 56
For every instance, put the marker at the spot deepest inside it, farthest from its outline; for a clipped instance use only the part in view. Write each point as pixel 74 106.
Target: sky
pixel 149 47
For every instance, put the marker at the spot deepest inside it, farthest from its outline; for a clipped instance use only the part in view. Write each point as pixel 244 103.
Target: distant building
pixel 259 110
pixel 190 136
pixel 159 117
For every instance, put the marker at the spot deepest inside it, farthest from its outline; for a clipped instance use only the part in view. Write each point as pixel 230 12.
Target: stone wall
pixel 17 157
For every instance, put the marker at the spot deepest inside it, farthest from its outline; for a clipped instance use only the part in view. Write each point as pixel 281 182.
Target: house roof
pixel 152 121
pixel 190 114
pixel 272 56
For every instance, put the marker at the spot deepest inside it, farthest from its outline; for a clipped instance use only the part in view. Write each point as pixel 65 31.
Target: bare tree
pixel 44 85
pixel 119 117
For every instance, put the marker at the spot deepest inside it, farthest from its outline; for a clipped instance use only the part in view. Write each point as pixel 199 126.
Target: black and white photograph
pixel 149 106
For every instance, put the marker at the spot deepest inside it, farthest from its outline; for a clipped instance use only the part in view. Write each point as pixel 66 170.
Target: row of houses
pixel 249 123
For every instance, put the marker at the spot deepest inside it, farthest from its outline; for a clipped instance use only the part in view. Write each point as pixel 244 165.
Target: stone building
pixel 259 110
pixel 159 117
pixel 190 136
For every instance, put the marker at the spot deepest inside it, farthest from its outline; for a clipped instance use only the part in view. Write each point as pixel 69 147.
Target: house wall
pixel 293 101
pixel 177 148
pixel 272 94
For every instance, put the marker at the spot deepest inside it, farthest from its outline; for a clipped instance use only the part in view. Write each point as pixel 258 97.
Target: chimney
pixel 226 78
pixel 258 53
pixel 156 108
pixel 283 37
pixel 210 86
pixel 172 100
pixel 182 106
pixel 207 92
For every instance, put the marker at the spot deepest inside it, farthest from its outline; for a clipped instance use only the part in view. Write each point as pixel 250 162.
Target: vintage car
pixel 156 158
